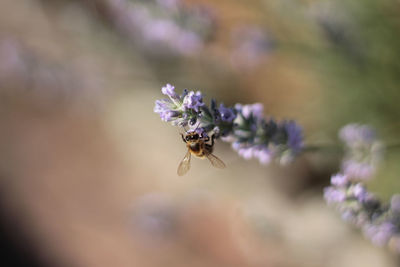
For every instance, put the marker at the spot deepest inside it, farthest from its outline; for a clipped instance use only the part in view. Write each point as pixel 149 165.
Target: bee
pixel 198 146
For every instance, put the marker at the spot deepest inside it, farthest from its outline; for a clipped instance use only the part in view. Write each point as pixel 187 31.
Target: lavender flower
pixel 251 135
pixel 363 151
pixel 380 234
pixel 334 195
pixel 163 27
pixel 355 135
pixel 380 223
pixel 339 179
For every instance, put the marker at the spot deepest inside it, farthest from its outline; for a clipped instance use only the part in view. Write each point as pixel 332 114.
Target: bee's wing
pixel 184 166
pixel 216 162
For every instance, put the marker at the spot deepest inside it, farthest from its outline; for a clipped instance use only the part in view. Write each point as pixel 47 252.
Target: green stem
pixel 323 148
pixel 339 149
pixel 392 146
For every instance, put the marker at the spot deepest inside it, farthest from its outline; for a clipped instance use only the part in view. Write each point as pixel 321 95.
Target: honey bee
pixel 199 147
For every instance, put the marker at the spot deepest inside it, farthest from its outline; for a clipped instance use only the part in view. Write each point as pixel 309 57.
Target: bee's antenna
pixel 184 128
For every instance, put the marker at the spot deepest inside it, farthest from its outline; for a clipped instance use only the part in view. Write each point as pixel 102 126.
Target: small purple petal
pixel 264 155
pixel 163 108
pixel 353 134
pixel 227 114
pixel 333 195
pixel 295 136
pixel 256 109
pixel 358 170
pixel 169 90
pixel 361 193
pixel 379 234
pixel 339 179
pixel 193 101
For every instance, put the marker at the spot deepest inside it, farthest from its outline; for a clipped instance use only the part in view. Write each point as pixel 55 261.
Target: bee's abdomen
pixel 197 149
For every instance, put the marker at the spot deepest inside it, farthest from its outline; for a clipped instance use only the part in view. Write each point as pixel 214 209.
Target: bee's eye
pixel 187 138
pixel 196 136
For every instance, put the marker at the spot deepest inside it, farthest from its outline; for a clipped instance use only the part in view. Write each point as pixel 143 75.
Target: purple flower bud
pixel 162 109
pixel 358 170
pixel 263 154
pixel 256 109
pixel 379 234
pixel 169 90
pixel 349 216
pixel 361 193
pixel 250 47
pixel 227 114
pixel 246 152
pixel 339 179
pixel 363 151
pixel 353 134
pixel 188 43
pixel 334 195
pixel 169 4
pixel 193 101
pixel 295 136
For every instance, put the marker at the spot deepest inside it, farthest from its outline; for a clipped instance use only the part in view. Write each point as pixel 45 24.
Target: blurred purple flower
pixel 263 154
pixel 360 170
pixel 355 134
pixel 188 42
pixel 295 137
pixel 227 114
pixel 162 27
pixel 360 192
pixel 379 234
pixel 251 45
pixel 363 151
pixel 256 110
pixel 334 195
pixel 169 4
pixel 339 179
pixel 244 151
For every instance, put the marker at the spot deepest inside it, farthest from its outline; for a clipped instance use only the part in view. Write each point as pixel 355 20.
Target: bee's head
pixel 192 136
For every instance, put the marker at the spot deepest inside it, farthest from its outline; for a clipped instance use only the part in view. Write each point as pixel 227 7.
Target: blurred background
pixel 88 170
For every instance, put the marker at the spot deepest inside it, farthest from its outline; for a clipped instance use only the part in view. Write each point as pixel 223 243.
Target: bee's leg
pixel 212 139
pixel 183 138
